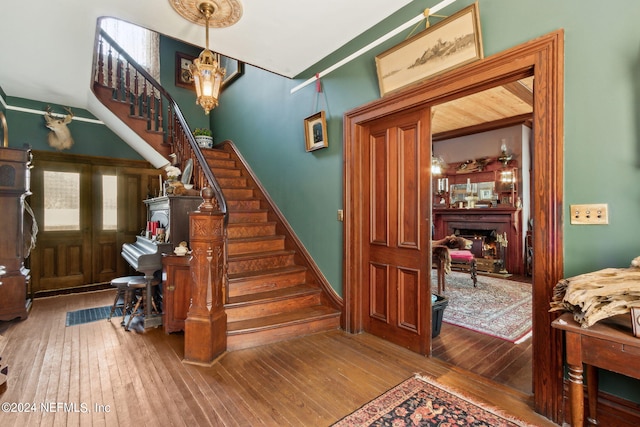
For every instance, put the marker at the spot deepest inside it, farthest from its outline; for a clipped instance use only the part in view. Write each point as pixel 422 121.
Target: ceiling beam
pixel 520 90
pixel 523 119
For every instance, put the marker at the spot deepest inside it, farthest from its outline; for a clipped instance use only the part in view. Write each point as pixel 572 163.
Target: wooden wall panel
pixel 379 292
pixel 408 187
pixel 408 289
pixel 378 183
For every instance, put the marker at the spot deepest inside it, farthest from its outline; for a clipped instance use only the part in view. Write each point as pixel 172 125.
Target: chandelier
pixel 206 70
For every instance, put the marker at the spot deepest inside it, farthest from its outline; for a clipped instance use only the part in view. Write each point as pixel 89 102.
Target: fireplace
pixel 495 233
pixel 487 248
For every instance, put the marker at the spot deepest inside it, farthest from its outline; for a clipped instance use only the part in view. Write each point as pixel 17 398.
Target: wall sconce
pixel 437 165
pixel 507 176
pixel 504 157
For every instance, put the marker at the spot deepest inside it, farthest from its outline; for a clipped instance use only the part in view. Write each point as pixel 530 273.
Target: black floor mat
pixel 90 315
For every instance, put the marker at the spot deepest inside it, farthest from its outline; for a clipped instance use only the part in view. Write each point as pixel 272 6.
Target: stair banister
pixel 201 163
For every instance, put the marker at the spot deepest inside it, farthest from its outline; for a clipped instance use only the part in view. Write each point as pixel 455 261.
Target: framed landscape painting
pixel 450 43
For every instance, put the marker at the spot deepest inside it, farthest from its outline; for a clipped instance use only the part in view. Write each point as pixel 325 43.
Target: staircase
pixel 274 289
pixel 272 294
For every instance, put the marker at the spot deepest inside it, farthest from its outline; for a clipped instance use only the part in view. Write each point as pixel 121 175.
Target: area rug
pixel 87 315
pixel 496 307
pixel 422 401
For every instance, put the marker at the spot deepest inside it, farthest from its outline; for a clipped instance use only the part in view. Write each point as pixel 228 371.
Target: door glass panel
pixel 109 202
pixel 61 201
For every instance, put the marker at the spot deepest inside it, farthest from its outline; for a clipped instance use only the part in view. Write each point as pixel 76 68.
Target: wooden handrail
pixel 145 96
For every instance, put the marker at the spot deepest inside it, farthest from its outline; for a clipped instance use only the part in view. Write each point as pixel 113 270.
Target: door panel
pixel 395 199
pixel 62 256
pixel 89 252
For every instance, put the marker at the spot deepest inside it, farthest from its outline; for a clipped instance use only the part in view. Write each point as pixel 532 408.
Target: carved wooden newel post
pixel 205 329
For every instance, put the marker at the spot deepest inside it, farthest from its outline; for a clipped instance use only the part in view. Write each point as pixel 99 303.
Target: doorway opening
pixel 541 58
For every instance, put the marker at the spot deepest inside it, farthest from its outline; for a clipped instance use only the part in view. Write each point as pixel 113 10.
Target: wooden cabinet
pixel 14 277
pixel 176 291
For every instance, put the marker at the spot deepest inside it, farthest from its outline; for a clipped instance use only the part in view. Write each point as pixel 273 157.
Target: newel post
pixel 205 329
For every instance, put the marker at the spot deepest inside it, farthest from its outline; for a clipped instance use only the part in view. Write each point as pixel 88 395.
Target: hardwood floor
pixel 139 379
pixel 492 358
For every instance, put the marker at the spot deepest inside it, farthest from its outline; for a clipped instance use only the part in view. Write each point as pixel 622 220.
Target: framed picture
pixel 234 69
pixel 315 131
pixel 450 43
pixel 184 78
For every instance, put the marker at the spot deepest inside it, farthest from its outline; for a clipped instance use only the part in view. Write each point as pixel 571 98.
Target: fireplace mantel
pixel 503 220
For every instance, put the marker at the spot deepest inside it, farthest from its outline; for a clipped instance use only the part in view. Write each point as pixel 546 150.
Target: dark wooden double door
pixel 396 266
pixel 87 252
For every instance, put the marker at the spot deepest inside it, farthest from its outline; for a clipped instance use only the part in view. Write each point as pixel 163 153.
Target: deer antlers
pixel 59 136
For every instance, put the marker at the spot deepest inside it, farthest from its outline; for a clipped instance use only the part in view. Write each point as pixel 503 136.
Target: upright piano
pixel 145 256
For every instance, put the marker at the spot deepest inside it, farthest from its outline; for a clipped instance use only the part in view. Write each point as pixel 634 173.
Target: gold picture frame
pixel 451 43
pixel 315 131
pixel 184 78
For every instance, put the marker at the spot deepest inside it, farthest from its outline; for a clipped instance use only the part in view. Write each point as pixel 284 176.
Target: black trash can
pixel 437 311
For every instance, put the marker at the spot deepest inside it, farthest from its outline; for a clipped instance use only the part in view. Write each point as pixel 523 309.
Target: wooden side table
pixel 610 345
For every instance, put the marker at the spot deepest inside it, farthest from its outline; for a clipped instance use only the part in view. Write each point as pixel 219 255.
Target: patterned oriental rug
pixel 496 307
pixel 421 401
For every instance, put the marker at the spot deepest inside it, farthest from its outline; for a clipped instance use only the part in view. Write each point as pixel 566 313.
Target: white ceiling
pixel 46 46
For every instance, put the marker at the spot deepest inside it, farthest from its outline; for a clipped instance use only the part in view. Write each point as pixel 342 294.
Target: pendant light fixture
pixel 206 70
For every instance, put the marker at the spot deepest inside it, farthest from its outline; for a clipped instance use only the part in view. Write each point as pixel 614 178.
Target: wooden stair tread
pixel 266 273
pixel 303 315
pixel 241 199
pixel 271 295
pixel 232 211
pixel 256 238
pixel 242 257
pixel 250 224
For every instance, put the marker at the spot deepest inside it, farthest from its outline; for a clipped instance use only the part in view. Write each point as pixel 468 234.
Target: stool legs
pixel 473 270
pixel 119 294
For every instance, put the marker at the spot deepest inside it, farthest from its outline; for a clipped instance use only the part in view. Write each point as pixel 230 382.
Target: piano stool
pixel 122 299
pixel 137 288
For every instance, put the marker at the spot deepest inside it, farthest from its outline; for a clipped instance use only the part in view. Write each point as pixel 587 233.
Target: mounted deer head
pixel 60 136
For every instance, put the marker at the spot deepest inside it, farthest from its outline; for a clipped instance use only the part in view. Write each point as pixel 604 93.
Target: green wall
pixel 602 152
pixel 602 128
pixel 91 139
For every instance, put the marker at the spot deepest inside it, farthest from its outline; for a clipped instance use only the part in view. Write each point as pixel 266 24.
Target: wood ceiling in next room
pixel 493 108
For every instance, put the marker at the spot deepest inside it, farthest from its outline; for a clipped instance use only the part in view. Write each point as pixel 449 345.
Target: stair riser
pixel 238 341
pixel 262 263
pixel 232 182
pixel 216 154
pixel 250 230
pixel 222 172
pixel 238 248
pixel 237 193
pixel 243 204
pixel 238 217
pixel 253 311
pixel 253 285
pixel 222 163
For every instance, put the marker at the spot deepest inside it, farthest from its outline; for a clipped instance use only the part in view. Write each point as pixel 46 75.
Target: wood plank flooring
pixel 493 358
pixel 106 376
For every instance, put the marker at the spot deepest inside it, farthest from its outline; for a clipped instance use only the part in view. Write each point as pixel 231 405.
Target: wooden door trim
pixel 542 58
